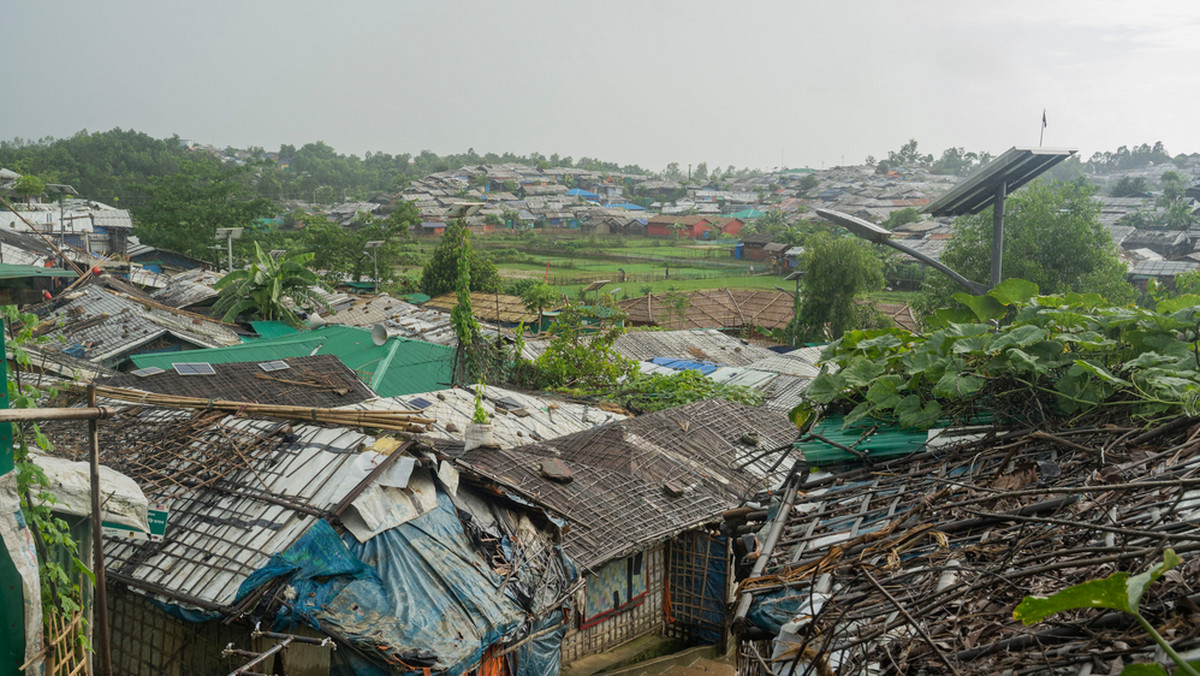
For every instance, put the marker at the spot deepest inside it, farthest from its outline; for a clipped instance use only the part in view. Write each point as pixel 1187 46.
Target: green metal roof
pixel 748 213
pixel 415 298
pixel 401 366
pixel 887 441
pixel 273 329
pixel 12 271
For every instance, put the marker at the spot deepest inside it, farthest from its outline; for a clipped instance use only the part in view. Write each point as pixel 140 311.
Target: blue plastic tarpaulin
pixel 433 593
pixel 415 595
pixel 542 656
pixel 704 368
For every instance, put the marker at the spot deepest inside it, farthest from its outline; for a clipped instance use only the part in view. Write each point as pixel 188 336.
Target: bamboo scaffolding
pixel 396 420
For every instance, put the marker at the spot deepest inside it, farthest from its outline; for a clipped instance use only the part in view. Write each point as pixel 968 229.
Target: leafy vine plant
pixel 57 550
pixel 1119 591
pixel 1021 358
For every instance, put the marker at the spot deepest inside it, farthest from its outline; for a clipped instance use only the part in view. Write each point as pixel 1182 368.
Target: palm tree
pixel 259 291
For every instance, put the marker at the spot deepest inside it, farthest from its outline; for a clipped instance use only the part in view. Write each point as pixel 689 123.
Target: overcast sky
pixel 742 83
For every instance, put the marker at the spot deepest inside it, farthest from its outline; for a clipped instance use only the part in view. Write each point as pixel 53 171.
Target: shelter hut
pixel 645 498
pixel 497 308
pixel 326 531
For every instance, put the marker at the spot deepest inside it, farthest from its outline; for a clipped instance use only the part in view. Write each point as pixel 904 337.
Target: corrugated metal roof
pixel 527 418
pixel 227 508
pixel 14 271
pixel 108 325
pixel 700 344
pixel 742 377
pixel 875 439
pixel 1163 268
pixel 1015 167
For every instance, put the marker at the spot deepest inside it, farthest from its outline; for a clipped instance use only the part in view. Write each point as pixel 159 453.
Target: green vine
pixel 1022 358
pixel 58 552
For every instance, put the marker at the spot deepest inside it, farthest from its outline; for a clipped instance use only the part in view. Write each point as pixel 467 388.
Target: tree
pixel 185 208
pixel 1052 237
pixel 809 182
pixel 441 271
pixel 582 356
pixel 259 291
pixel 1127 186
pixel 540 297
pixel 836 271
pixel 1179 216
pixel 1173 186
pixel 901 217
pixel 701 173
pixel 29 186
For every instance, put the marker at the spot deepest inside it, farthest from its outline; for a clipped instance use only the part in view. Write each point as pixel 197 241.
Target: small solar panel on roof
pixel 194 369
pixel 420 403
pixel 277 365
pixel 148 371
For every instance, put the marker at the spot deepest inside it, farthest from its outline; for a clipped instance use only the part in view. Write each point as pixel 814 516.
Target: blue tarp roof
pixel 626 205
pixel 580 192
pixel 686 364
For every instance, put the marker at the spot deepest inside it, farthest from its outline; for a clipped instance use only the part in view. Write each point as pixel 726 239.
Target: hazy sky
pixel 643 82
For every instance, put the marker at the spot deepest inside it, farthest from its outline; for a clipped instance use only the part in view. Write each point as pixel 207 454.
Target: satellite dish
pixel 316 321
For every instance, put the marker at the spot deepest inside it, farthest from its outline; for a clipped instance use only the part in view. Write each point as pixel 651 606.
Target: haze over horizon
pixel 644 83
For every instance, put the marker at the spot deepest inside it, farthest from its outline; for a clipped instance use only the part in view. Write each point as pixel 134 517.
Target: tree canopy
pixel 836 270
pixel 184 209
pixel 1052 237
pixel 441 272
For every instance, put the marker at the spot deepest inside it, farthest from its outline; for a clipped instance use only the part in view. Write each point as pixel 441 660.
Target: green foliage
pixel 1026 359
pixel 540 297
pixel 469 359
pixel 58 552
pixel 1128 186
pixel 836 270
pixel 480 416
pixel 442 270
pixel 901 217
pixel 582 355
pixel 1052 237
pixel 341 252
pixel 259 291
pixel 184 209
pixel 1126 159
pixel 1119 591
pixel 29 186
pixel 646 393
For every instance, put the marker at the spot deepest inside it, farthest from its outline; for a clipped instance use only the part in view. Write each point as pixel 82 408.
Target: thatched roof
pixel 489 307
pixel 712 309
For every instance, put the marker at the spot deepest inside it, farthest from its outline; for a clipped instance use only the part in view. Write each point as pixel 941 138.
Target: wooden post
pixel 100 639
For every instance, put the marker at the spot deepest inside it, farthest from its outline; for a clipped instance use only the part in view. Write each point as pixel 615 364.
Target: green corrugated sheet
pixel 273 329
pixel 887 441
pixel 401 366
pixel 12 271
pixel 414 298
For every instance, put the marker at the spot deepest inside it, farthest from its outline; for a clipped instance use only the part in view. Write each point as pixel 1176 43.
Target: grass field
pixel 692 265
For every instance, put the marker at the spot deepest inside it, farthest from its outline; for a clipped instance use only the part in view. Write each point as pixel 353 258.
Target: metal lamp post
pixel 229 234
pixel 373 247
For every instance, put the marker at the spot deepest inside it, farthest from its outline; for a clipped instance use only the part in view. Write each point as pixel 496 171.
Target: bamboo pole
pixel 100 598
pixel 401 419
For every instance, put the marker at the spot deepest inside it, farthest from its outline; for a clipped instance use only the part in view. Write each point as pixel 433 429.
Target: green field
pixel 645 261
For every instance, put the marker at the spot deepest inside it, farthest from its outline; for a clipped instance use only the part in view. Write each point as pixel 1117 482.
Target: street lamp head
pixel 857 226
pixel 374 244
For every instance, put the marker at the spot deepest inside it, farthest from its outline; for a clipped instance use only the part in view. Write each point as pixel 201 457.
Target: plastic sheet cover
pixel 542 656
pixel 416 596
pixel 432 598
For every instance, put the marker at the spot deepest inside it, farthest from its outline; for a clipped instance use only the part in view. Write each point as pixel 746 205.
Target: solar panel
pixel 277 365
pixel 420 403
pixel 148 371
pixel 194 369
